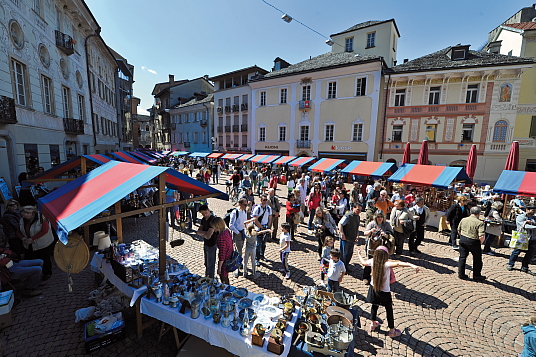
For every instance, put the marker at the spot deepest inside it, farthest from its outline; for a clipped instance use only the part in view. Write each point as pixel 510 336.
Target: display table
pixel 435 219
pixel 206 329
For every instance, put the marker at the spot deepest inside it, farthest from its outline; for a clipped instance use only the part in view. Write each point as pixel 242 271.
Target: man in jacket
pixel 263 219
pixel 355 195
pixel 525 222
pixel 471 230
pixel 421 215
pixel 275 205
pixel 30 270
pixel 236 224
pixel 454 215
pixel 349 231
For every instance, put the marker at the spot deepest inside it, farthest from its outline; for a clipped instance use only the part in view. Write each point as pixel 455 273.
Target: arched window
pixel 499 132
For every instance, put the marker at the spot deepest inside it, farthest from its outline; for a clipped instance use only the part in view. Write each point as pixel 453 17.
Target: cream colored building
pixel 454 98
pixel 326 106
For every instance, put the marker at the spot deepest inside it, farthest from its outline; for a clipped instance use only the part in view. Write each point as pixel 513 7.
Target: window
pixel 433 97
pixel 467 132
pixel 38 7
pixel 283 96
pixel 54 155
pixel 431 131
pixel 100 88
pixel 66 97
pixel 349 44
pixel 306 92
pixel 263 99
pixel 304 132
pixel 357 132
pixel 499 131
pixel 262 134
pixel 220 102
pixel 245 99
pixel 204 137
pixel 332 90
pixel 236 100
pixel 371 39
pixel 361 88
pixel 196 137
pixel 397 132
pixel 179 139
pixel 19 80
pixel 400 97
pixel 244 141
pixel 47 94
pixel 328 135
pixel 282 133
pixel 472 93
pixel 81 107
pixel 199 116
pixel 32 158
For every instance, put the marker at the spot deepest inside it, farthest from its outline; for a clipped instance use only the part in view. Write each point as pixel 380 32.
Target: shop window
pixel 54 155
pixel 31 157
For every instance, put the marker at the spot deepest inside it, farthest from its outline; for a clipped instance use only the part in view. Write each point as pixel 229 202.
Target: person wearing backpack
pixel 421 215
pixel 400 217
pixel 263 219
pixel 237 217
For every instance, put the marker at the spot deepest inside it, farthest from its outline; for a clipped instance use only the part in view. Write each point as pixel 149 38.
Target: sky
pixel 192 38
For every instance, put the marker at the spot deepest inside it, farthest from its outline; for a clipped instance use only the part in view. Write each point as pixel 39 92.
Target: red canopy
pixel 512 162
pixel 471 162
pixel 406 159
pixel 423 154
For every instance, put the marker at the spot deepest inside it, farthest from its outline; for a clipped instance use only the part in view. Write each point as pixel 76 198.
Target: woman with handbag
pixel 342 206
pixel 293 213
pixel 380 286
pixel 325 226
pixel 36 235
pixel 493 226
pixel 313 202
pixel 378 232
pixel 224 242
pixel 400 217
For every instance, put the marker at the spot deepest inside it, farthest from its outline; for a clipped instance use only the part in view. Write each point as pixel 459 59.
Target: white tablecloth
pixel 206 329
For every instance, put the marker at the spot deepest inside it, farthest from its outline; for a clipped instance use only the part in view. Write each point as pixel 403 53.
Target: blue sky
pixel 190 38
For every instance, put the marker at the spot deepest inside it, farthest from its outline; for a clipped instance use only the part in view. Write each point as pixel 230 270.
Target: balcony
pixel 442 109
pixel 235 108
pixel 303 144
pixel 8 115
pixel 227 128
pixel 244 128
pixel 235 145
pixel 203 123
pixel 64 43
pixel 498 147
pixel 73 126
pixel 174 126
pixel 227 108
pixel 220 129
pixel 219 110
pixel 236 128
pixel 186 144
pixel 244 107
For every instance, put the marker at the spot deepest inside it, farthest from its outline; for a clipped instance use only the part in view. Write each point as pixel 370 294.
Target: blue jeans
pixel 210 260
pixel 284 262
pixel 261 245
pixel 490 238
pixel 333 286
pixel 347 251
pixel 453 233
pixel 311 218
pixel 529 254
pixel 28 269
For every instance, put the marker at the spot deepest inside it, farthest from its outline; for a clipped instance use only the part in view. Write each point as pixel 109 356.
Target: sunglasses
pixel 264 200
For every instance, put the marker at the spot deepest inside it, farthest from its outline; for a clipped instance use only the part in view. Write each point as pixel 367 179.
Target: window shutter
pixel 532 132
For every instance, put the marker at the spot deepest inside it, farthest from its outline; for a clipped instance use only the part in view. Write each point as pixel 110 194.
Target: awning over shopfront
pixel 178 153
pixel 231 156
pixel 516 183
pixel 139 155
pixel 215 155
pixel 369 168
pixel 62 169
pixel 325 165
pixel 80 200
pixel 268 159
pixel 427 175
pixel 258 158
pixel 199 154
pixel 284 160
pixel 156 154
pixel 98 158
pixel 125 157
pixel 301 161
pixel 245 157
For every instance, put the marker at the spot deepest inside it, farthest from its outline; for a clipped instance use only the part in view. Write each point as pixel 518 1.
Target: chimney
pixel 171 79
pixel 206 77
pixel 406 60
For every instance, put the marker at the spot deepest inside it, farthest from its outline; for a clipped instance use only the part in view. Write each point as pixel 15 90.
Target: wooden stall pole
pixel 83 165
pixel 119 223
pixel 162 224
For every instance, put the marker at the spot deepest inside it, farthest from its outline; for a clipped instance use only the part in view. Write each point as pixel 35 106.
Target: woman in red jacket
pixel 313 202
pixel 293 207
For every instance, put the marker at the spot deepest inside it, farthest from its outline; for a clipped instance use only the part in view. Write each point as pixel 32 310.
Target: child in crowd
pixel 284 247
pixel 324 261
pixel 251 246
pixel 336 271
pixel 369 212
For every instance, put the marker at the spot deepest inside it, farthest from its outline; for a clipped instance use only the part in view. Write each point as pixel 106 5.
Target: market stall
pixel 144 157
pixel 434 183
pixel 325 165
pixel 215 155
pixel 369 168
pixel 126 157
pixel 258 158
pixel 245 157
pixel 301 161
pixel 268 159
pixel 199 154
pixel 516 183
pixel 284 160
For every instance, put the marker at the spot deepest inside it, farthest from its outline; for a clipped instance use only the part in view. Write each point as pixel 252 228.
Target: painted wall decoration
pixel 506 92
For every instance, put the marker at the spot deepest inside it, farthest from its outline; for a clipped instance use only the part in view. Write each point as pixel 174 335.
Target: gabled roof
pixel 439 60
pixel 366 24
pixel 194 101
pixel 243 70
pixel 159 87
pixel 325 61
pixel 522 26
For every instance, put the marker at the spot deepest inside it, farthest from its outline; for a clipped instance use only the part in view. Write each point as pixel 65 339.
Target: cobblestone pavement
pixel 438 314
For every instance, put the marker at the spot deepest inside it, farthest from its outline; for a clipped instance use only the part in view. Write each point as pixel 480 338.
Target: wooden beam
pixel 147 209
pixel 119 223
pixel 83 165
pixel 162 229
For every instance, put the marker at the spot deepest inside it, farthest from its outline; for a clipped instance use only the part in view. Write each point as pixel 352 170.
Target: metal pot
pixel 196 308
pixel 341 335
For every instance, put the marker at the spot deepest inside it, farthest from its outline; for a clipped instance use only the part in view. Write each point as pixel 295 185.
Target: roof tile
pixel 523 25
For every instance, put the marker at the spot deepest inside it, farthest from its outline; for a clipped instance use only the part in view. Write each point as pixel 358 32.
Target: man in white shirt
pixel 263 219
pixel 302 186
pixel 236 224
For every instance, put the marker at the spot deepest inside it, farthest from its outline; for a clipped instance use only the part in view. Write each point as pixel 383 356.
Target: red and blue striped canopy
pixel 98 158
pixel 301 161
pixel 284 160
pixel 427 175
pixel 82 199
pixel 325 165
pixel 369 168
pixel 245 157
pixel 258 158
pixel 215 155
pixel 139 155
pixel 125 157
pixel 63 168
pixel 199 154
pixel 516 183
pixel 231 156
pixel 268 159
